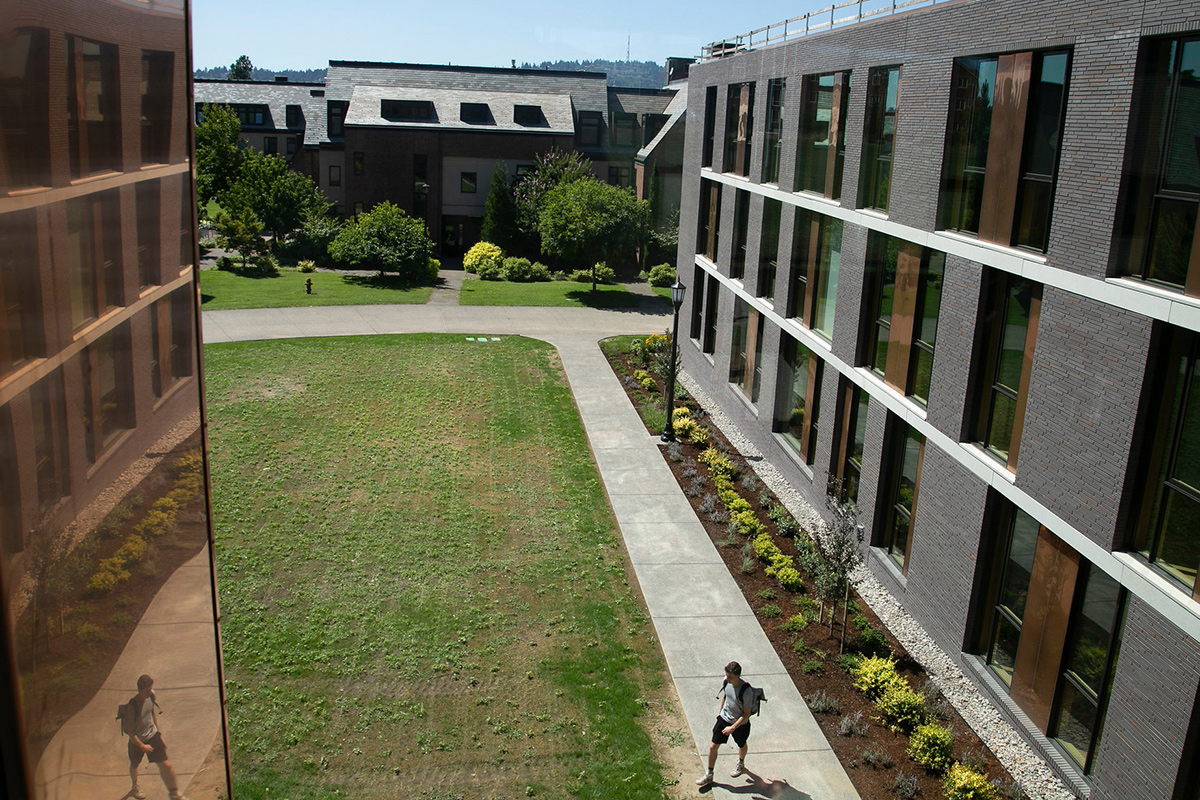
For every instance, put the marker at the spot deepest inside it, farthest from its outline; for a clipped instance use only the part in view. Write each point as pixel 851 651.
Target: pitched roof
pixel 366 108
pixel 277 96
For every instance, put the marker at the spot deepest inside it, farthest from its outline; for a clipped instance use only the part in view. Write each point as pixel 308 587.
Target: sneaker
pixel 136 793
pixel 740 769
pixel 706 780
pixel 177 796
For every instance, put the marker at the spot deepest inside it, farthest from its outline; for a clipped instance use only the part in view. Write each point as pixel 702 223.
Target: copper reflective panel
pixel 105 545
pixel 1004 156
pixel 903 314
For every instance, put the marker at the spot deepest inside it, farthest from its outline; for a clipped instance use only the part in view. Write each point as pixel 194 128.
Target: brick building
pixel 947 262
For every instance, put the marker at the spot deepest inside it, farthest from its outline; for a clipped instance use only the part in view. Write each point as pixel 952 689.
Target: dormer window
pixel 293 116
pixel 407 110
pixel 475 113
pixel 530 116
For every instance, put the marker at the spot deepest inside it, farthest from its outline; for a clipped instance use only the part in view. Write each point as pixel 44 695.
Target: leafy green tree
pixel 242 69
pixel 278 196
pixel 551 170
pixel 499 211
pixel 218 156
pixel 239 229
pixel 387 239
pixel 588 220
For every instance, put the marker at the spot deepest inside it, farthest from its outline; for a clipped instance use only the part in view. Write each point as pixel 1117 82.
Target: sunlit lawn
pixel 422 591
pixel 222 290
pixel 552 293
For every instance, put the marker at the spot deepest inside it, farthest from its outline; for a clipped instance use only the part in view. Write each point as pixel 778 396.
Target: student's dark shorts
pixel 155 756
pixel 740 733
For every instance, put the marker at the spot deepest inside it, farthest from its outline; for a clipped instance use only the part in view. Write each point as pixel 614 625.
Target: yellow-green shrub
pixel 483 254
pixel 902 708
pixel 746 523
pixel 131 550
pixel 765 548
pixel 165 505
pixel 779 562
pixel 789 578
pixel 644 378
pixel 875 675
pixel 932 746
pixel 680 412
pixel 718 463
pixel 735 504
pixel 699 435
pixel 189 464
pixel 155 523
pixel 963 783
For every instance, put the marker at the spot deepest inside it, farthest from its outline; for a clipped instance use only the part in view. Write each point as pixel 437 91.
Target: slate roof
pixel 640 101
pixel 366 109
pixel 676 111
pixel 277 97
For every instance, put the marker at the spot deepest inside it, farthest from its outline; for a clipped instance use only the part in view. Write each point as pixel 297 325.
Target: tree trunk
pixel 845 611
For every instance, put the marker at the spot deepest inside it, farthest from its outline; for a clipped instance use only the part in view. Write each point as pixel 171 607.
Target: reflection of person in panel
pixel 141 721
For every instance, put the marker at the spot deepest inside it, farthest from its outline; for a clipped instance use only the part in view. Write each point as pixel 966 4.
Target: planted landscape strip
pixel 890 727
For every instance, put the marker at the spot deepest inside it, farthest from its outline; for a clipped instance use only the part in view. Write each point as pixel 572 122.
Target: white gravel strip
pixel 1022 762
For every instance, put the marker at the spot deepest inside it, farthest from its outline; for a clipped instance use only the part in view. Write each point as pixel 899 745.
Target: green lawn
pixel 553 293
pixel 220 290
pixel 422 591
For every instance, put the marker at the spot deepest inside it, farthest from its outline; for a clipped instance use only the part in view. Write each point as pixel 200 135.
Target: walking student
pixel 733 720
pixel 141 722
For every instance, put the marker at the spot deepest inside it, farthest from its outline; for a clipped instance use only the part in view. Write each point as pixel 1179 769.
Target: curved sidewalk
pixel 701 618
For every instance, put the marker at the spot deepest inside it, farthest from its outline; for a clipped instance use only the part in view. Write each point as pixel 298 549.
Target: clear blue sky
pixel 305 34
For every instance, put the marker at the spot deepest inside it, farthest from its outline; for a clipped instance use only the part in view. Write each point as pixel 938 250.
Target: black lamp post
pixel 677 291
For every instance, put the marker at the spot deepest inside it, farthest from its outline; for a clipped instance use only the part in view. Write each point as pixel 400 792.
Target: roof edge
pixel 256 83
pixel 461 68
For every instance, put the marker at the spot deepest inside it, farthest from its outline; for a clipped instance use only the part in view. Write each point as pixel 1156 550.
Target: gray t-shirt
pixel 732 710
pixel 144 727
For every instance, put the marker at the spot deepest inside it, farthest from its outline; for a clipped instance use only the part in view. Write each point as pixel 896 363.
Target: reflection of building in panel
pixel 102 489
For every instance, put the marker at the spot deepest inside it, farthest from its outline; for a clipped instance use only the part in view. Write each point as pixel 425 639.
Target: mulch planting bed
pixel 874 758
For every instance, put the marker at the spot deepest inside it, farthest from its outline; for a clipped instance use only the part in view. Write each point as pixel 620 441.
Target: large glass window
pixel 25 108
pixel 93 107
pixel 745 355
pixel 711 295
pixel 49 414
pixel 851 436
pixel 149 233
pixel 107 391
pixel 696 322
pixel 21 336
pixel 591 128
pixel 989 187
pixel 879 137
pixel 170 342
pixel 906 448
pixel 904 286
pixel 710 125
pixel 797 408
pixel 773 145
pixel 158 75
pixel 709 229
pixel 1018 540
pixel 741 232
pixel 94 262
pixel 739 126
pixel 1161 191
pixel 822 147
pixel 768 251
pixel 816 257
pixel 1007 336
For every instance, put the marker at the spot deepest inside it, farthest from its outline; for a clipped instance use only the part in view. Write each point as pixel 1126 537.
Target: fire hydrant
pixel 308 285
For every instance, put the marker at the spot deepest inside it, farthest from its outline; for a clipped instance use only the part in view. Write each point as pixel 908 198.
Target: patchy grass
pixel 222 290
pixel 552 293
pixel 422 590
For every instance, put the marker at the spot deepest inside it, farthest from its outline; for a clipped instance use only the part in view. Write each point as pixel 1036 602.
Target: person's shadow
pixel 761 788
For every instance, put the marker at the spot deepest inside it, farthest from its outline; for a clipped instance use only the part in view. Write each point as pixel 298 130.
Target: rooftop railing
pixel 825 19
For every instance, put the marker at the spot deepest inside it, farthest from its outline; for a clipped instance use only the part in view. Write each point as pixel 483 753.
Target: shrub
pixel 646 380
pixel 901 707
pixel 121 619
pixel 821 703
pixel 165 505
pixel 963 783
pixel 685 427
pixel 789 578
pixel 483 254
pixel 674 452
pixel 853 725
pixel 539 272
pixel 905 786
pixel 770 611
pixel 433 268
pixel 385 238
pixel 491 271
pixel 698 435
pixel 604 274
pixel 750 482
pixel 777 562
pixel 131 550
pixel 873 676
pixel 266 265
pixel 718 463
pixel 812 667
pixel 849 662
pixel 746 523
pixel 155 523
pixel 975 759
pixel 87 632
pixel 306 265
pixel 796 624
pixel 662 275
pixel 784 521
pixel 517 269
pixel 932 746
pixel 871 643
pixel 874 757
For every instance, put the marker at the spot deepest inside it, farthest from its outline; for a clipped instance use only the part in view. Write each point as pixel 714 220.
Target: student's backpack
pixel 757 696
pixel 126 715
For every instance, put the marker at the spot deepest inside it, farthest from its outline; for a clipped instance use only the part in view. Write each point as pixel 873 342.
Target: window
pixel 270 145
pixel 739 126
pixel 407 110
pixel 12 534
pixel 293 117
pixel 1161 190
pixel 358 208
pixel 94 264
pixel 335 111
pixel 21 337
pixel 1017 537
pixel 904 286
pixel 986 189
pixel 711 295
pixel 624 129
pixel 697 317
pixel 251 115
pixel 590 124
pixel 170 342
pixel 529 116
pixel 93 107
pixel 741 226
pixel 475 113
pixel 708 236
pixel 879 137
pixel 851 436
pixel 798 405
pixel 107 391
pixel 360 160
pixel 46 400
pixel 467 182
pixel 293 143
pixel 651 125
pixel 158 73
pixel 768 252
pixel 905 451
pixel 822 146
pixel 149 224
pixel 25 108
pixel 187 226
pixel 1006 339
pixel 1167 496
pixel 816 256
pixel 619 176
pixel 420 185
pixel 710 125
pixel 335 175
pixel 774 138
pixel 745 358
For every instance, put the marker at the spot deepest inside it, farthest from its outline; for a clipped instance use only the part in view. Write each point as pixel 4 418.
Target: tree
pixel 551 170
pixel 242 69
pixel 239 229
pixel 587 220
pixel 838 542
pixel 278 196
pixel 387 239
pixel 218 156
pixel 499 211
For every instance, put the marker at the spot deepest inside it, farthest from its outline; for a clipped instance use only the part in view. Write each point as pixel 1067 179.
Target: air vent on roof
pixel 476 114
pixel 530 116
pixel 407 110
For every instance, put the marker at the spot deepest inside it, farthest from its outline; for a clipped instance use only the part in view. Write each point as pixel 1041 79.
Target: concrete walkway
pixel 701 618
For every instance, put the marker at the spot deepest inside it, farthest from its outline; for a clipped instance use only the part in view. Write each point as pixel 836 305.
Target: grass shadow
pixel 204 298
pixel 381 282
pixel 603 299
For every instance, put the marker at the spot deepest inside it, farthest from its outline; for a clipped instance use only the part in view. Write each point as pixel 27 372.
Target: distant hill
pixel 631 74
pixel 294 75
